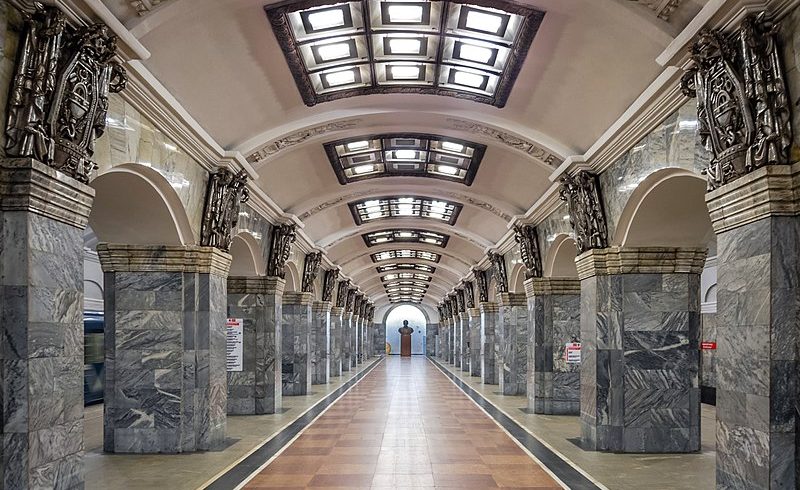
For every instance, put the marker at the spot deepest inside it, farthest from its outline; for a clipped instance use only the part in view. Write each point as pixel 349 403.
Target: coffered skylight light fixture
pixel 405 236
pixel 406 267
pixel 365 47
pixel 404 154
pixel 416 284
pixel 415 276
pixel 404 207
pixel 405 254
pixel 405 299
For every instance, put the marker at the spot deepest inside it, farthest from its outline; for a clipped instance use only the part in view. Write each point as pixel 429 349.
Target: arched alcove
pixel 492 289
pixel 135 204
pixel 560 260
pixel 416 320
pixel 518 279
pixel 293 284
pixel 246 257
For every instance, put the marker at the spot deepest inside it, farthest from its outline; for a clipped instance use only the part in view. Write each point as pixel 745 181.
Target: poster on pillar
pixel 572 353
pixel 234 329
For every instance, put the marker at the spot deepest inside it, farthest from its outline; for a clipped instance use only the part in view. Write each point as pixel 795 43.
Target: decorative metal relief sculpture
pixel 483 285
pixel 283 236
pixel 59 95
pixel 225 193
pixel 328 283
pixel 469 294
pixel 359 298
pixel 460 303
pixel 586 215
pixel 351 297
pixel 310 270
pixel 528 241
pixel 742 105
pixel 371 314
pixel 499 271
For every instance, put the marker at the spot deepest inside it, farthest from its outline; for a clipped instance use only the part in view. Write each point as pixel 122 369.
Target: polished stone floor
pixel 405 425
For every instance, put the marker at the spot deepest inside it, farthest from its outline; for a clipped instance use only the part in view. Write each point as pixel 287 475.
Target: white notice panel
pixel 573 353
pixel 235 331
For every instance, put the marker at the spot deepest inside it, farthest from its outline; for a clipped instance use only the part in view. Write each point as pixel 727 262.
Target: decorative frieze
pixel 460 303
pixel 115 257
pixel 283 237
pixel 483 285
pixel 743 108
pixel 59 95
pixel 586 215
pixel 328 283
pixel 341 293
pixel 528 240
pixel 650 260
pixel 351 297
pixel 469 294
pixel 224 196
pixel 499 271
pixel 310 271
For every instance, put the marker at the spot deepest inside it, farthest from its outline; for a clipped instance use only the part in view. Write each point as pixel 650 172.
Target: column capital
pixel 321 306
pixel 772 190
pixel 256 285
pixel 115 257
pixel 489 307
pixel 29 185
pixel 645 260
pixel 539 286
pixel 295 298
pixel 474 312
pixel 337 310
pixel 511 299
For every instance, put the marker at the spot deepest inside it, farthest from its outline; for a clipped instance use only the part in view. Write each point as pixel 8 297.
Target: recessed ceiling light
pixel 405 13
pixel 364 169
pixel 446 169
pixel 482 21
pixel 405 72
pixel 326 19
pixel 357 145
pixel 334 51
pixel 468 79
pixel 371 203
pixel 343 77
pixel 406 234
pixel 435 215
pixel 405 154
pixel 450 146
pixel 404 46
pixel 374 215
pixel 405 209
pixel 475 53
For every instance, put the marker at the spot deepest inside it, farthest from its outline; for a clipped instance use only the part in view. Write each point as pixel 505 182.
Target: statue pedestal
pixel 405 339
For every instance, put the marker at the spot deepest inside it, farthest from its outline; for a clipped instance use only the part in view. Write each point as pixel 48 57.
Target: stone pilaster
pixel 463 322
pixel 474 315
pixel 640 326
pixel 296 343
pixel 456 327
pixel 512 340
pixel 431 334
pixel 444 326
pixel 42 217
pixel 758 229
pixel 380 339
pixel 256 389
pixel 335 354
pixel 347 348
pixel 355 327
pixel 554 306
pixel 320 342
pixel 489 319
pixel 166 380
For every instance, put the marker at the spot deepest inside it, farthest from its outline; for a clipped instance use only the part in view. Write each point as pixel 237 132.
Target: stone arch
pixel 491 288
pixel 246 256
pixel 667 209
pixel 135 204
pixel 560 259
pixel 293 278
pixel 392 323
pixel 517 277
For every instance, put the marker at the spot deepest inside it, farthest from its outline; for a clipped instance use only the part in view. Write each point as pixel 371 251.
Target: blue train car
pixel 93 357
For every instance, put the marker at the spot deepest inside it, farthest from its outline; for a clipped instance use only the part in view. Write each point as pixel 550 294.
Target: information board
pixel 235 334
pixel 573 353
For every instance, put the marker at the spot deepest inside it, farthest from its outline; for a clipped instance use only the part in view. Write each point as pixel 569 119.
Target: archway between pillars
pixel 560 259
pixel 246 258
pixel 416 319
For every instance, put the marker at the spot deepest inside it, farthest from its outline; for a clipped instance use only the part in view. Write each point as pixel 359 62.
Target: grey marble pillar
pixel 456 326
pixel 640 326
pixel 355 349
pixel 463 324
pixel 166 379
pixel 513 343
pixel 256 389
pixel 554 307
pixel 296 343
pixel 42 217
pixel 347 348
pixel 431 332
pixel 474 341
pixel 320 342
pixel 380 339
pixel 335 354
pixel 489 319
pixel 758 239
pixel 444 327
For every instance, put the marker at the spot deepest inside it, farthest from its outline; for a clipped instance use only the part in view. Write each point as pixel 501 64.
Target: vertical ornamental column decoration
pixel 754 205
pixel 528 240
pixel 296 343
pixel 362 330
pixel 455 352
pixel 445 326
pixel 355 324
pixel 320 342
pixel 281 241
pixel 581 192
pixel 310 271
pixel 224 196
pixel 474 324
pixel 335 330
pixel 347 318
pixel 500 276
pixel 463 326
pixel 489 317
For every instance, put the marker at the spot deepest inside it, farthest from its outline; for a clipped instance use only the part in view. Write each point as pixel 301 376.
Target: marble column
pixel 296 343
pixel 444 325
pixel 380 339
pixel 42 217
pixel 640 328
pixel 456 326
pixel 489 319
pixel 256 389
pixel 347 349
pixel 554 306
pixel 758 239
pixel 513 343
pixel 431 332
pixel 463 322
pixel 475 341
pixel 320 342
pixel 335 354
pixel 355 349
pixel 165 348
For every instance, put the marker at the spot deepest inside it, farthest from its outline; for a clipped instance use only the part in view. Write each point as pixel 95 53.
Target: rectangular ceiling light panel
pixel 405 236
pixel 386 46
pixel 370 210
pixel 405 254
pixel 406 267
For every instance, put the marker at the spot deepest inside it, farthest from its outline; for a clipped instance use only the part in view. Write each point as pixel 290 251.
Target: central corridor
pixel 405 425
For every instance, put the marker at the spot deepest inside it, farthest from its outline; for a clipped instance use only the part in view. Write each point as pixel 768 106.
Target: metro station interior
pixel 400 244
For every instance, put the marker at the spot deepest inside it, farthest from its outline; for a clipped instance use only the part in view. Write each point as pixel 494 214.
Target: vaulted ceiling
pixel 588 62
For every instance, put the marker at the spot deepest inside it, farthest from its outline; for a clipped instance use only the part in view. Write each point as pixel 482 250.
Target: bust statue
pixel 405 329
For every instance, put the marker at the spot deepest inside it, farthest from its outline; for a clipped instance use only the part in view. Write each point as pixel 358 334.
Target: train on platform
pixel 93 357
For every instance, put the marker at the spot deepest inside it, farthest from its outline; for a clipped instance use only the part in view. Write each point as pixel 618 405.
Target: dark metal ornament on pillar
pixel 483 285
pixel 528 240
pixel 224 196
pixel 310 271
pixel 469 294
pixel 328 283
pixel 283 236
pixel 586 215
pixel 499 271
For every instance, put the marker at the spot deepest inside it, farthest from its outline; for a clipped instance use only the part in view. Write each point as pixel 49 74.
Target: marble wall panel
pixel 512 333
pixel 489 321
pixel 457 340
pixel 475 341
pixel 296 343
pixel 347 336
pixel 380 339
pixel 355 328
pixel 708 371
pixel 320 342
pixel 463 323
pixel 335 354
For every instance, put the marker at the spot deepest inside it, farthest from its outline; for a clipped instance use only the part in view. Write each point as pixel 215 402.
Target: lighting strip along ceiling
pixel 469 50
pixel 409 276
pixel 406 267
pixel 404 154
pixel 404 207
pixel 420 285
pixel 405 236
pixel 405 254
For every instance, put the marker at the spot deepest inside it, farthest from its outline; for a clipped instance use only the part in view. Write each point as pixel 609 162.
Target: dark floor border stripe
pixel 571 477
pixel 239 473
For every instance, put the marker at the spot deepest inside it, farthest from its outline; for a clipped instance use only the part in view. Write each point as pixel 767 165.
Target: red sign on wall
pixel 708 346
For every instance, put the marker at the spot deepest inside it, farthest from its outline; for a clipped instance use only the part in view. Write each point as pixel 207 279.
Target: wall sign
pixel 234 328
pixel 708 346
pixel 573 353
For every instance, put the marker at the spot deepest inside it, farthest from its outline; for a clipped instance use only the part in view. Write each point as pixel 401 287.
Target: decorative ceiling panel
pixel 406 267
pixel 405 236
pixel 404 207
pixel 472 51
pixel 405 254
pixel 415 276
